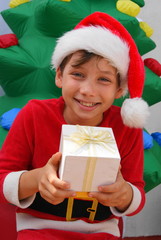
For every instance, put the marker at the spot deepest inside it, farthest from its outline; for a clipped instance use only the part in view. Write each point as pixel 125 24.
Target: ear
pixel 58 78
pixel 119 93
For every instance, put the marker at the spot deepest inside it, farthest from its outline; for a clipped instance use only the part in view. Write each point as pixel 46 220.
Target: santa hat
pixel 103 35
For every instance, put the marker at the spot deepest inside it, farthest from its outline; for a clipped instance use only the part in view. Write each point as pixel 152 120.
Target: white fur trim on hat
pixel 134 112
pixel 98 40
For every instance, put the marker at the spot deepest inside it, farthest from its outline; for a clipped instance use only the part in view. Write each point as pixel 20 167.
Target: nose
pixel 88 88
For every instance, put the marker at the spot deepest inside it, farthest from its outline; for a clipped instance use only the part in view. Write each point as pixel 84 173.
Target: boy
pixel 94 64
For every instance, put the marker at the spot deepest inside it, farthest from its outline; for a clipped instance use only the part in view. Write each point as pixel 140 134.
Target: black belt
pixel 80 209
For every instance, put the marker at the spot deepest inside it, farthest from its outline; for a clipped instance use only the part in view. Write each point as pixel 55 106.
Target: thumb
pixel 55 160
pixel 119 175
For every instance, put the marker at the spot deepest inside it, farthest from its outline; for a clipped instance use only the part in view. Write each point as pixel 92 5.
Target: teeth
pixel 87 104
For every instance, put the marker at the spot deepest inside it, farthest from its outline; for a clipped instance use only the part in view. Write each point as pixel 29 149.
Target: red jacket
pixel 34 137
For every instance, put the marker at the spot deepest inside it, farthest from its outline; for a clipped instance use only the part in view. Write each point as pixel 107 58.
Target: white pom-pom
pixel 134 112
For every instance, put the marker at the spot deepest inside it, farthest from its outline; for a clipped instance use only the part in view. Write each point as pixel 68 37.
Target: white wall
pixel 148 221
pixel 4 4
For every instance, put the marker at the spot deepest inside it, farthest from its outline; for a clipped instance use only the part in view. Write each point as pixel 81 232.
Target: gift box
pixel 90 157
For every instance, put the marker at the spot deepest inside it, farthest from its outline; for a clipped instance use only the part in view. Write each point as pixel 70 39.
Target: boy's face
pixel 88 90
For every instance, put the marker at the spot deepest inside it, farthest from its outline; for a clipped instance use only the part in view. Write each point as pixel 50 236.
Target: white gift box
pixel 90 157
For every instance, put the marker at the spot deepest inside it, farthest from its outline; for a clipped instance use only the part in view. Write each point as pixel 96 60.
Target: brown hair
pixel 84 58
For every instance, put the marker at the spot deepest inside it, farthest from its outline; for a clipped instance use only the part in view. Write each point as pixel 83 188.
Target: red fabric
pixel 35 134
pixel 47 234
pixel 8 223
pixel 153 65
pixel 8 40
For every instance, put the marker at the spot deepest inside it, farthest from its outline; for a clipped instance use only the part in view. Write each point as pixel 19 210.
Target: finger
pixel 108 188
pixel 56 192
pixel 49 198
pixel 119 175
pixel 104 198
pixel 53 179
pixel 52 176
pixel 55 160
pixel 56 196
pixel 114 187
pixel 57 183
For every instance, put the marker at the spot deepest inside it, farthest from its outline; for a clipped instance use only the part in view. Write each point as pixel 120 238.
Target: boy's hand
pixel 51 188
pixel 118 194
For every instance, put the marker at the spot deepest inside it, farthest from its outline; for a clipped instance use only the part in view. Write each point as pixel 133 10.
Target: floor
pixel 143 238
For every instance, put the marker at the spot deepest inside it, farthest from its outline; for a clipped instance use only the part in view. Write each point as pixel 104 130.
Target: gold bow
pixel 88 135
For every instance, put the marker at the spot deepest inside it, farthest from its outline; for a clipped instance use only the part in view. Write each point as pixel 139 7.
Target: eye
pixel 105 80
pixel 77 74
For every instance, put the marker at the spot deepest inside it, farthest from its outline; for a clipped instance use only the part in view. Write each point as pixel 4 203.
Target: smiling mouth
pixel 87 104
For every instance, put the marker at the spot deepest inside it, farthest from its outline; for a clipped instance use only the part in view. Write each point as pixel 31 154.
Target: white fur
pixel 135 112
pixel 98 40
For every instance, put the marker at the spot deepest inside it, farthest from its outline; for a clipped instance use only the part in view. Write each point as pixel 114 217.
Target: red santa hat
pixel 103 35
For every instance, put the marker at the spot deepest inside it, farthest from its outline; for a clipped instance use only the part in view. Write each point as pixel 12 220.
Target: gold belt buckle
pixel 84 196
